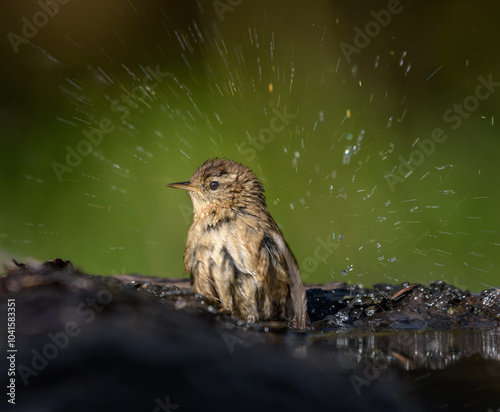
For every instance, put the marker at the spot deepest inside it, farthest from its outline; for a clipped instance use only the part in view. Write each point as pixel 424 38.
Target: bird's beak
pixel 183 186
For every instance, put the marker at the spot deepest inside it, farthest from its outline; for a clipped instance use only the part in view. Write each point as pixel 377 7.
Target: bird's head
pixel 221 188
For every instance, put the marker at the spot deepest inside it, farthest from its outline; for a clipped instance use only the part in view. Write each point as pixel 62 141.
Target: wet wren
pixel 235 251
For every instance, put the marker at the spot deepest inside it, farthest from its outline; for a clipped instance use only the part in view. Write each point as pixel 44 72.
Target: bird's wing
pixel 297 291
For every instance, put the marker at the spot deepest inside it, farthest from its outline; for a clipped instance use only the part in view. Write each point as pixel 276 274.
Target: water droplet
pixel 401 60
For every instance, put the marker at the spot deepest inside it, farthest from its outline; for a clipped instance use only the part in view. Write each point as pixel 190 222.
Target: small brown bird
pixel 235 251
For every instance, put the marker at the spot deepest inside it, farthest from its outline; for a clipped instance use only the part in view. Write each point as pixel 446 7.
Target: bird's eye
pixel 214 185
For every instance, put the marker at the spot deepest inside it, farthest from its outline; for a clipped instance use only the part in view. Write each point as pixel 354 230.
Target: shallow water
pixel 439 369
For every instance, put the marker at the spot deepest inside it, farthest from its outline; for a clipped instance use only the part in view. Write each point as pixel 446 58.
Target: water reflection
pixel 431 370
pixel 412 350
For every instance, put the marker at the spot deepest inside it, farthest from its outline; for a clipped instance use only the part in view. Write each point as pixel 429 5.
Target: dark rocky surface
pixel 142 343
pixel 405 306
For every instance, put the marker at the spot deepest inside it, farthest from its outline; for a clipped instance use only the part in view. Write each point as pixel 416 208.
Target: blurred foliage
pixel 270 86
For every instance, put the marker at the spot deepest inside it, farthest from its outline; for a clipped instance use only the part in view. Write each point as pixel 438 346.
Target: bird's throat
pixel 214 217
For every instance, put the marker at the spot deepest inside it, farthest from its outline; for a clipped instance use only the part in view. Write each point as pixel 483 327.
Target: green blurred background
pixel 180 82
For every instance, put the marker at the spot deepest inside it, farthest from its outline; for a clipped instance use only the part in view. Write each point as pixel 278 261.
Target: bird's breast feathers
pixel 233 239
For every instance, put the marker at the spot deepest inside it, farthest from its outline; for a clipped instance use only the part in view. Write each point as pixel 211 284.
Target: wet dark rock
pixel 405 306
pixel 131 342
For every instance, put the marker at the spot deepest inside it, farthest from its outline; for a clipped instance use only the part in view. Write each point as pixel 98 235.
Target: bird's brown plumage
pixel 235 251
